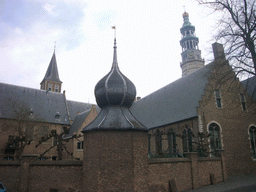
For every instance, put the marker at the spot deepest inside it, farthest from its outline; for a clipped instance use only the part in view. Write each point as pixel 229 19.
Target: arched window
pixel 252 132
pixel 215 143
pixel 172 143
pixel 187 140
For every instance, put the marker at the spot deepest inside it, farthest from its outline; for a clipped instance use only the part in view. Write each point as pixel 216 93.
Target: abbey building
pixel 196 131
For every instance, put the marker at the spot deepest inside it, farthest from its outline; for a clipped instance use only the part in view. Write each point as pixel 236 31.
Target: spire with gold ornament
pixel 191 55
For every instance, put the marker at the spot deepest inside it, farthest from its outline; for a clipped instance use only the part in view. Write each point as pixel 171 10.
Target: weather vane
pixel 54 45
pixel 114 27
pixel 184 8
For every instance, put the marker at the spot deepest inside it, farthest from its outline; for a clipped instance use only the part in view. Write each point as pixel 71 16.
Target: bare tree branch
pixel 237 29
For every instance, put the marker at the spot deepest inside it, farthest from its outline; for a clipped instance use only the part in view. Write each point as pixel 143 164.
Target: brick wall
pixel 233 121
pixel 64 176
pixel 181 174
pixel 111 160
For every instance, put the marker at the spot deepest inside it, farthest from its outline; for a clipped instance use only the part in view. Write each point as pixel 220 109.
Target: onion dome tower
pixel 51 81
pixel 115 143
pixel 191 55
pixel 115 93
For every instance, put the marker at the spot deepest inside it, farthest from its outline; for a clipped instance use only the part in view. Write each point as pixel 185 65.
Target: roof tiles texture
pixel 44 104
pixel 250 86
pixel 52 71
pixel 174 102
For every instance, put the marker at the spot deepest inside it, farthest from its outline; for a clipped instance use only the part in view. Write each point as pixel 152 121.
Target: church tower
pixel 51 81
pixel 191 55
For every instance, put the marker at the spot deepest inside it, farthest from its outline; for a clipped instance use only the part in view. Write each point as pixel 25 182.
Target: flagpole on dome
pixel 114 27
pixel 115 65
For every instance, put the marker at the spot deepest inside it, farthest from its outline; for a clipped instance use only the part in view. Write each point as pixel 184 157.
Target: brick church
pixel 196 131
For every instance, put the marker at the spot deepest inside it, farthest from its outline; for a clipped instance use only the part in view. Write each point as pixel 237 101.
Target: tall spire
pixel 191 55
pixel 52 71
pixel 51 79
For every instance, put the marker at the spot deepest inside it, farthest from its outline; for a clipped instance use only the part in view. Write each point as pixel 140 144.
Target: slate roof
pixel 44 104
pixel 79 119
pixel 174 102
pixel 76 107
pixel 52 71
pixel 250 86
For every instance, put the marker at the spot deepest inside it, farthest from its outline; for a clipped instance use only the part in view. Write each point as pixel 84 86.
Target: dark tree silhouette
pixel 59 142
pixel 23 123
pixel 236 30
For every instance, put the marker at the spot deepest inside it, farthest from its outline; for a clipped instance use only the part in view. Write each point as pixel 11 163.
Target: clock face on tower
pixel 191 54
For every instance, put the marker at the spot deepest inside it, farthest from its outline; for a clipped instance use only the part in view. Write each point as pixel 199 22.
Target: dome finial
pixel 54 46
pixel 115 65
pixel 115 56
pixel 114 27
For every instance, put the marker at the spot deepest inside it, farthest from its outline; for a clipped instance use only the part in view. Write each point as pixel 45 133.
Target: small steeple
pixel 51 81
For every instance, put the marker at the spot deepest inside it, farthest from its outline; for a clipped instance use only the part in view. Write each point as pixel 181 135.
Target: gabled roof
pixel 44 105
pixel 250 86
pixel 76 107
pixel 80 118
pixel 175 102
pixel 52 71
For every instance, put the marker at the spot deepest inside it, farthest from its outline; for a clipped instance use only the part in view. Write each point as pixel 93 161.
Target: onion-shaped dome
pixel 115 89
pixel 115 94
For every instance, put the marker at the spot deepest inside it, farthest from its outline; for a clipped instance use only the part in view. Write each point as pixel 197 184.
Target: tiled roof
pixel 250 86
pixel 174 102
pixel 45 105
pixel 76 107
pixel 80 118
pixel 52 71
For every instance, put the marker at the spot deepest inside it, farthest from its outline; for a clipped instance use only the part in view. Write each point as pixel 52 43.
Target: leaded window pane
pixel 252 132
pixel 215 141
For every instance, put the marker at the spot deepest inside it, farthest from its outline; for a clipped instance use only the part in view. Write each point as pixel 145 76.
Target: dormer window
pixel 31 113
pixel 57 116
pixel 218 98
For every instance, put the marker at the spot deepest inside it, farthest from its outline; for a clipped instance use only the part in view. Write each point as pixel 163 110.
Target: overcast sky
pixel 148 35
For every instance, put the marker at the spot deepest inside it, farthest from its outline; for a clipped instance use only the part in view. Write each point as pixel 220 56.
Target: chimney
pixel 218 51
